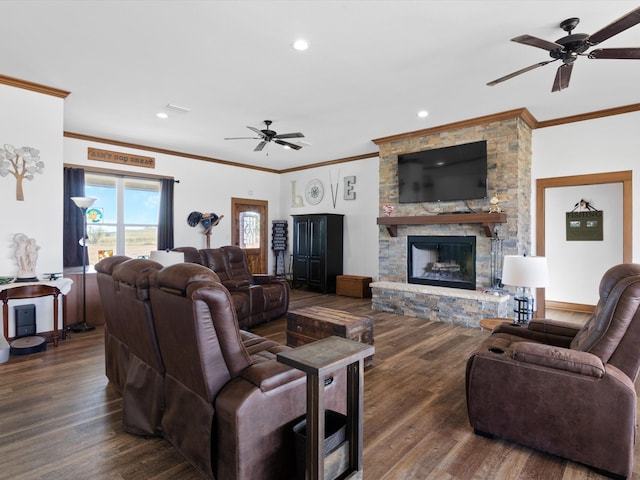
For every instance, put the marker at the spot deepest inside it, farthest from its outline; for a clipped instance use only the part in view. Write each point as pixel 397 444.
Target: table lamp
pixel 83 203
pixel 167 258
pixel 524 273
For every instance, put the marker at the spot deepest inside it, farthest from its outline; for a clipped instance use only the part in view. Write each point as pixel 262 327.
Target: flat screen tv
pixel 443 174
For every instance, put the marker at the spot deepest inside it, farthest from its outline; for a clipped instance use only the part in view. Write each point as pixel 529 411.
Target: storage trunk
pixel 353 286
pixel 306 325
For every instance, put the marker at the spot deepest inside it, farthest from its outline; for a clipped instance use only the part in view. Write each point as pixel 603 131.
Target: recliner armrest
pixel 236 284
pixel 554 327
pixel 573 361
pixel 264 278
pixel 270 375
pixel 552 332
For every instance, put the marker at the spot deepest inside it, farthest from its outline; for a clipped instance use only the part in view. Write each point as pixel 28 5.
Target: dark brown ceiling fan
pixel 267 135
pixel 569 47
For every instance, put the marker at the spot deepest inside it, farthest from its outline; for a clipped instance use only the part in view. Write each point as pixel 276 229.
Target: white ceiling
pixel 370 67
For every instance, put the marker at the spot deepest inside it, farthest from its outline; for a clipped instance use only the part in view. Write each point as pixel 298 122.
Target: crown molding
pixel 590 116
pixel 522 113
pixel 34 87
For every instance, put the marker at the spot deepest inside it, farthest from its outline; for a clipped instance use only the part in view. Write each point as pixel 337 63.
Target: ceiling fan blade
pixel 260 146
pixel 259 132
pixel 620 25
pixel 523 70
pixel 289 135
pixel 537 42
pixel 287 144
pixel 563 75
pixel 242 138
pixel 616 53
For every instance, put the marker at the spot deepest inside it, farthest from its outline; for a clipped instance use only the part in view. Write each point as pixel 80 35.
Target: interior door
pixel 249 230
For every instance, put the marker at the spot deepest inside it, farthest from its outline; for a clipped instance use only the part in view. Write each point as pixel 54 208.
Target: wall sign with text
pixel 122 158
pixel 585 225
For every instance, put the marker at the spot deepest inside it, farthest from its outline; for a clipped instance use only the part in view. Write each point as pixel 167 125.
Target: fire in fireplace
pixel 446 261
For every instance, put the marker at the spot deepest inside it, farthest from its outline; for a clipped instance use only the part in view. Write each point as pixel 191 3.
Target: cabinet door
pixel 317 252
pixel 300 236
pixel 300 251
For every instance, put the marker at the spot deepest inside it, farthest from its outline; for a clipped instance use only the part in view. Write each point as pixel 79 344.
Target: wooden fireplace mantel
pixel 488 220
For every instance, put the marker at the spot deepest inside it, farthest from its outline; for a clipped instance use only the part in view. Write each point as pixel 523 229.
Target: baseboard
pixel 569 307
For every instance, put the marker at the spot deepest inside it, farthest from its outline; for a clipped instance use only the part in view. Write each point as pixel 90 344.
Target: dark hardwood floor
pixel 60 419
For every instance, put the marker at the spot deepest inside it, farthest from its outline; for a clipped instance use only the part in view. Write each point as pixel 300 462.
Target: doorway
pixel 249 230
pixel 623 177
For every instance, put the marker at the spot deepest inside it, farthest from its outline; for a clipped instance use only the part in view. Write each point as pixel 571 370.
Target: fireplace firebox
pixel 446 261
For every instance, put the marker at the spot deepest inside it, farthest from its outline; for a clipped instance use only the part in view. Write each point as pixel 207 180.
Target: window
pixel 249 230
pixel 124 218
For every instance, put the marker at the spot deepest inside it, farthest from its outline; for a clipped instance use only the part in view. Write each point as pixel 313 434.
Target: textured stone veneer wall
pixel 440 304
pixel 509 176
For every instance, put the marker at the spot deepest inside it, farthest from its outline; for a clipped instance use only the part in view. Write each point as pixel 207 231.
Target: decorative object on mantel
pixel 21 163
pixel 495 205
pixel 388 210
pixel 83 203
pixel 584 224
pixel 26 257
pixel 524 273
pixel 208 221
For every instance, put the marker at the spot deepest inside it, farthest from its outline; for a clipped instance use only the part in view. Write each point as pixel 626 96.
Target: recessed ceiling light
pixel 286 147
pixel 423 114
pixel 162 115
pixel 301 45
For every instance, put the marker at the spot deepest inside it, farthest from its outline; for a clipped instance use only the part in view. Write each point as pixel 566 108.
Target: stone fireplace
pixel 508 137
pixel 446 261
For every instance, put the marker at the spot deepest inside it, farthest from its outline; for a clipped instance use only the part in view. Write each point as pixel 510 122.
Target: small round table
pixel 491 323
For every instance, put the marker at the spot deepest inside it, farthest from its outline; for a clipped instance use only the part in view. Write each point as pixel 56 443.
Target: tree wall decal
pixel 21 163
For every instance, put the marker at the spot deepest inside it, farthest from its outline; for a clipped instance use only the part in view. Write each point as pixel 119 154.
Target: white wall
pixel 602 145
pixel 204 187
pixel 35 120
pixel 360 228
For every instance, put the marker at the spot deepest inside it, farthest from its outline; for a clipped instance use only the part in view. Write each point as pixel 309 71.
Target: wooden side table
pixel 30 291
pixel 491 323
pixel 319 360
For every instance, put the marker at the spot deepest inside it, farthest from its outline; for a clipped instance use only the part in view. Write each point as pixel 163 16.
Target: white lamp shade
pixel 83 202
pixel 167 258
pixel 530 272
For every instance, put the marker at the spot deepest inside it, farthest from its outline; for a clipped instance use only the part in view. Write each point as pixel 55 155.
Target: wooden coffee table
pixel 309 324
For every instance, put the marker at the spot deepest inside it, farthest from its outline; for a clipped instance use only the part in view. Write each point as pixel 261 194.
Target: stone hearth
pixel 443 304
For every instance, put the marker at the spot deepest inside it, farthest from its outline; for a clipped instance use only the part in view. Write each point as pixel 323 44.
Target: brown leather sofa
pixel 116 347
pixel 562 388
pixel 131 347
pixel 230 406
pixel 257 298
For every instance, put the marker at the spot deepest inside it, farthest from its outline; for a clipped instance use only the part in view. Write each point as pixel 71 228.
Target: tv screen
pixel 443 174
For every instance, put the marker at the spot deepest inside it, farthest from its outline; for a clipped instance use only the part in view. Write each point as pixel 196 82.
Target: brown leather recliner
pixel 230 406
pixel 143 393
pixel 258 298
pixel 116 349
pixel 565 389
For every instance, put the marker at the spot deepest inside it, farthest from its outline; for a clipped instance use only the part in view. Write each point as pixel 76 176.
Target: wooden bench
pixel 306 325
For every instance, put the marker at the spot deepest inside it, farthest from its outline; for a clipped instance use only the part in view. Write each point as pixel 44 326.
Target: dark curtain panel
pixel 165 222
pixel 73 220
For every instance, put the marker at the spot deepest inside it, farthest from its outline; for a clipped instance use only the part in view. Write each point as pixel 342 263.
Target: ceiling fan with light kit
pixel 570 47
pixel 266 135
